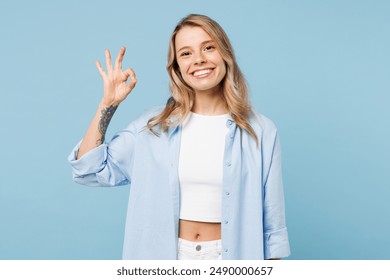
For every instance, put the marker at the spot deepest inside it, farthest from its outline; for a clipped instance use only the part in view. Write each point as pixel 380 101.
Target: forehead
pixel 191 36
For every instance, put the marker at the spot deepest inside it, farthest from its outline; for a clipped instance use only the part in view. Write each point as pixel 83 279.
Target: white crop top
pixel 200 167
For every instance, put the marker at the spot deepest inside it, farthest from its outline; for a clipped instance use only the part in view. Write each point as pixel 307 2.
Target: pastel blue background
pixel 319 69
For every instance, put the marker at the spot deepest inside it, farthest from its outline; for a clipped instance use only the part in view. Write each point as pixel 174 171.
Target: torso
pixel 199 231
pixel 200 176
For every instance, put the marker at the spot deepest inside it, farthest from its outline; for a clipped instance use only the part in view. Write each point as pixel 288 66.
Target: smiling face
pixel 200 63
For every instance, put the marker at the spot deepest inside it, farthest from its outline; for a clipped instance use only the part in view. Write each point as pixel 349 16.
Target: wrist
pixel 105 114
pixel 108 104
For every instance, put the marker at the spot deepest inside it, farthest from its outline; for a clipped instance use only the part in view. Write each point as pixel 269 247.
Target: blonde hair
pixel 234 88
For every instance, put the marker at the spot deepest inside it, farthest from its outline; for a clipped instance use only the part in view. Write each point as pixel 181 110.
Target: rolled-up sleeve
pixel 275 230
pixel 109 164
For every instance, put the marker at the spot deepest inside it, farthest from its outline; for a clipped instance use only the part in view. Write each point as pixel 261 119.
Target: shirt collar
pixel 172 129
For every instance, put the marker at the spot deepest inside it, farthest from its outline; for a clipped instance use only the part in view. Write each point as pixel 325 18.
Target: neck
pixel 209 103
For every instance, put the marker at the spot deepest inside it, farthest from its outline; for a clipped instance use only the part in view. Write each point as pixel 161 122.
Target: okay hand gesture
pixel 116 85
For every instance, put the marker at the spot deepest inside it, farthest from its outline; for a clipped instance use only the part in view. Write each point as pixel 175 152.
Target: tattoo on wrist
pixel 105 119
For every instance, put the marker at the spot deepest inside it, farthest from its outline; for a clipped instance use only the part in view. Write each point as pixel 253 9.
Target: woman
pixel 204 171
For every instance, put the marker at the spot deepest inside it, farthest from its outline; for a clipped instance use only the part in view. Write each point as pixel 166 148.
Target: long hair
pixel 234 87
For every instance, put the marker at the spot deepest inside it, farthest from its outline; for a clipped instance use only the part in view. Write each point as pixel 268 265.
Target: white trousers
pixel 205 250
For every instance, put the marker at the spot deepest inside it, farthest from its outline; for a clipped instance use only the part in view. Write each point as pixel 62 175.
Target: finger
pixel 100 69
pixel 108 61
pixel 119 59
pixel 130 73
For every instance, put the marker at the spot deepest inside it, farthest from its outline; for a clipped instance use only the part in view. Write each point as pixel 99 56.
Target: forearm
pixel 96 131
pixel 115 91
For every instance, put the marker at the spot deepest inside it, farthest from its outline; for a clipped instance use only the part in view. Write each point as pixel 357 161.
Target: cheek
pixel 183 66
pixel 183 72
pixel 223 71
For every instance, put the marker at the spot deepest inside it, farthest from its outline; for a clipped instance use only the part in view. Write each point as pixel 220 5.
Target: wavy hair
pixel 234 87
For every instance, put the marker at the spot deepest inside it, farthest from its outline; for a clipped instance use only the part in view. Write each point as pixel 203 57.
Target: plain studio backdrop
pixel 319 69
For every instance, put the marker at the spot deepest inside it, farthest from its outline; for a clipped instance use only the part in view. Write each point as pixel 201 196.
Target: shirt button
pixel 226 221
pixel 227 193
pixel 229 123
pixel 226 250
pixel 228 163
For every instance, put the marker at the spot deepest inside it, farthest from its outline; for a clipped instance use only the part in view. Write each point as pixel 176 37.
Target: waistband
pixel 198 246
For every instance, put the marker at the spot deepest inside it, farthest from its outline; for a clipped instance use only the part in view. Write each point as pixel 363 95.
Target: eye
pixel 209 48
pixel 186 53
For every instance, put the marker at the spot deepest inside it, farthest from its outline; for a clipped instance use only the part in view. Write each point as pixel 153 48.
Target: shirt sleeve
pixel 275 230
pixel 109 164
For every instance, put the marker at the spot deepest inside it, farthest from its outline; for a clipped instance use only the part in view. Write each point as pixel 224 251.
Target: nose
pixel 199 59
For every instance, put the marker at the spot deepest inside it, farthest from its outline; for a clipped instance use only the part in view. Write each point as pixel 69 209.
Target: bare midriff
pixel 199 231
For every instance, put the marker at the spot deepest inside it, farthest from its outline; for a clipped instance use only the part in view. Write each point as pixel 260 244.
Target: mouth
pixel 202 72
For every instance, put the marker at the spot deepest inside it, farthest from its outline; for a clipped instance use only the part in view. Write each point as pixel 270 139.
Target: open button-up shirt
pixel 253 212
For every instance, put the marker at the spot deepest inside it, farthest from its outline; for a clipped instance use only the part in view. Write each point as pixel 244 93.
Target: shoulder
pixel 141 121
pixel 261 124
pixel 265 130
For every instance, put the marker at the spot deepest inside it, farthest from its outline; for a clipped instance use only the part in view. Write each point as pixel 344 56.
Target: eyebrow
pixel 203 43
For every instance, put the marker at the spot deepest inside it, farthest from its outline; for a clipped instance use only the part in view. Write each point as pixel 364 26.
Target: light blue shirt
pixel 253 212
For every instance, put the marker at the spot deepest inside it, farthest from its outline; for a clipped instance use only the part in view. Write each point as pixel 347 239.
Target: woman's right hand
pixel 116 88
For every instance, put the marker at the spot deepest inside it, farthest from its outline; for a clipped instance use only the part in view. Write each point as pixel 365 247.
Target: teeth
pixel 202 72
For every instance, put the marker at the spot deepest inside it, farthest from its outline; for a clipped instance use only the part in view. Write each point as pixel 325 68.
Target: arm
pixel 115 91
pixel 275 231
